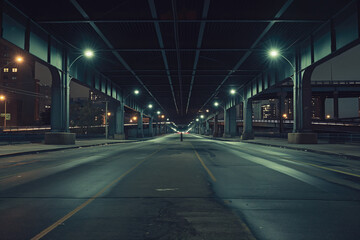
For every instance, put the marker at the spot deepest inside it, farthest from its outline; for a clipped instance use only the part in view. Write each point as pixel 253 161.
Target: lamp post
pixel 274 53
pixel 3 98
pixel 87 54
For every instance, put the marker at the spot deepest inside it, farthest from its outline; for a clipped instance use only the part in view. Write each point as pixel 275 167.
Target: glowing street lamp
pixel 216 104
pixel 202 116
pixel 19 59
pixel 88 53
pixel 3 98
pixel 275 53
pixel 150 106
pixel 158 112
pixel 232 91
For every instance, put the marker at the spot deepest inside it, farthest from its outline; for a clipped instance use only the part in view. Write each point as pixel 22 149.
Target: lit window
pixel 6 70
pixel 14 70
pixel 13 78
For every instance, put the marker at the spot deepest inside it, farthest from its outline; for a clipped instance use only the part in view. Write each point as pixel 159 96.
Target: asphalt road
pixel 167 189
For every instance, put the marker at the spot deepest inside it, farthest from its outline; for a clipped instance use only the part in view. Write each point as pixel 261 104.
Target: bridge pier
pixel 151 129
pixel 207 128
pixel 230 122
pixel 140 125
pixel 119 122
pixel 60 98
pixel 248 132
pixel 216 129
pixel 302 109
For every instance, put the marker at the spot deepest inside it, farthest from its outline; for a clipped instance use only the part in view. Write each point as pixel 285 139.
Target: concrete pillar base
pixel 119 136
pixel 302 138
pixel 247 136
pixel 60 138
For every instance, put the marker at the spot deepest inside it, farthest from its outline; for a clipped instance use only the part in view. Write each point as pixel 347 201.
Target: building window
pixel 6 70
pixel 14 70
pixel 13 78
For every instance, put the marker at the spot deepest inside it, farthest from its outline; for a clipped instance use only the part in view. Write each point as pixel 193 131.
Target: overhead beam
pixel 161 44
pixel 178 58
pixel 186 21
pixel 198 46
pixel 182 49
pixel 188 70
pixel 248 53
pixel 116 54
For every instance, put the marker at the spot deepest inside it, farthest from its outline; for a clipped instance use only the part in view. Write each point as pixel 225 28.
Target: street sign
pixel 8 116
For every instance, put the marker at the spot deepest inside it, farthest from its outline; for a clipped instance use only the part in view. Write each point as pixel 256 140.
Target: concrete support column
pixel 140 129
pixel 207 128
pixel 119 122
pixel 247 123
pixel 336 105
pixel 230 122
pixel 158 127
pixel 322 100
pixel 60 91
pixel 216 129
pixel 281 110
pixel 151 129
pixel 112 119
pixel 302 108
pixel 202 129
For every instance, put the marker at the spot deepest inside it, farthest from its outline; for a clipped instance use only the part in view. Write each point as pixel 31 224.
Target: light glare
pixel 89 53
pixel 273 53
pixel 232 91
pixel 19 59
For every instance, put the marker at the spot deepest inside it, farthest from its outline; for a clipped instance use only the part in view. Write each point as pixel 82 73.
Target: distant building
pixel 27 99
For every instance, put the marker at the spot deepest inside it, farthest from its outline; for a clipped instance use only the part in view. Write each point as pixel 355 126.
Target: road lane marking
pixel 325 168
pixel 18 164
pixel 77 209
pixel 315 165
pixel 166 189
pixel 203 164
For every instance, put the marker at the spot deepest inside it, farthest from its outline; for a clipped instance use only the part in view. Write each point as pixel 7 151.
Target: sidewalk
pixel 351 151
pixel 31 148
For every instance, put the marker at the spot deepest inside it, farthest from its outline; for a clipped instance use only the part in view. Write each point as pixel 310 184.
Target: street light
pixel 135 92
pixel 274 53
pixel 3 98
pixel 150 106
pixel 202 116
pixel 232 91
pixel 88 53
